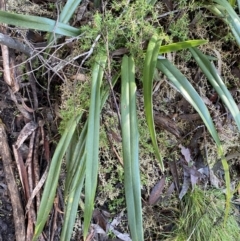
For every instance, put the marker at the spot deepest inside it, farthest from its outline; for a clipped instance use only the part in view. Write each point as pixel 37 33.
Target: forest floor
pixel 49 98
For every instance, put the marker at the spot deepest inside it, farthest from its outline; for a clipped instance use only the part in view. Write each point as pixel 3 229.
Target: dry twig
pixel 19 220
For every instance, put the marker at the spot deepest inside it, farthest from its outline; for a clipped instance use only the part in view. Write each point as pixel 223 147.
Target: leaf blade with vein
pixel 148 73
pixel 130 148
pixel 92 141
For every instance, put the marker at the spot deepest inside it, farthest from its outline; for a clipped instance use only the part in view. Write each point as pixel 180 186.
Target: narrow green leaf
pixel 211 73
pixel 229 15
pixel 66 13
pixel 224 10
pixel 181 45
pixel 38 23
pixel 190 94
pixel 224 4
pixel 75 160
pixel 53 175
pixel 148 74
pixel 130 148
pixel 92 142
pixel 76 172
pixel 68 10
pixel 228 193
pixel 73 196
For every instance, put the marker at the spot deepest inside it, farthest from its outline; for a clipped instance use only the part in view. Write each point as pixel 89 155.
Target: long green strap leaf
pixel 224 9
pixel 181 45
pixel 38 23
pixel 53 176
pixel 225 5
pixel 130 148
pixel 75 160
pixel 190 94
pixel 92 142
pixel 68 10
pixel 73 196
pixel 211 73
pixel 227 182
pixel 148 73
pixel 66 14
pixel 76 174
pixel 73 184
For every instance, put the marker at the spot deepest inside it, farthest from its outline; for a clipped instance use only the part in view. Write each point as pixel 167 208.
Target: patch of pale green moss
pixel 75 98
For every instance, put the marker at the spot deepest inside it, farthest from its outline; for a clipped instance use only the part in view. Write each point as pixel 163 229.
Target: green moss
pixel 75 98
pixel 122 27
pixel 180 29
pixel 144 138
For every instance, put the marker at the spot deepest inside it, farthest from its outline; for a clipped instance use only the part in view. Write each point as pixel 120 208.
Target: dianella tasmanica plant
pixel 79 145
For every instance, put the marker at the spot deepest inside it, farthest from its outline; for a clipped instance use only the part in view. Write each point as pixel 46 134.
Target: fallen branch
pixel 18 214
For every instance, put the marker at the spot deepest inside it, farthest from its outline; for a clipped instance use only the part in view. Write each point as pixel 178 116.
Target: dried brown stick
pixel 31 214
pixel 38 183
pixel 29 162
pixel 6 68
pixel 23 111
pixel 37 189
pixel 36 168
pixel 21 171
pixel 7 63
pixel 12 59
pixel 18 214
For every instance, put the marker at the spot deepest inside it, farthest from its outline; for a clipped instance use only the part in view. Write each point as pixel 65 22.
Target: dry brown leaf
pixel 37 189
pixel 99 219
pixel 156 192
pixel 186 153
pixel 206 100
pixel 167 124
pixel 25 132
pixel 119 52
pixel 168 193
pixel 195 175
